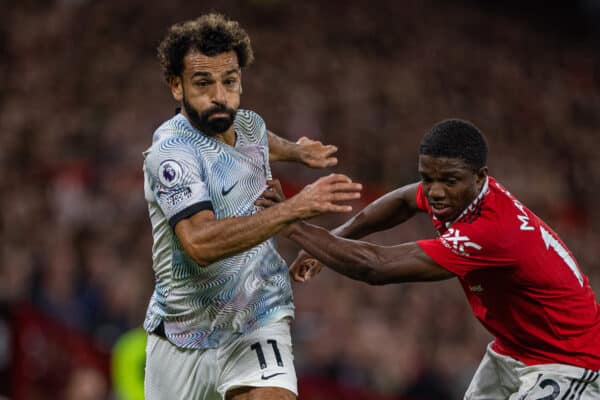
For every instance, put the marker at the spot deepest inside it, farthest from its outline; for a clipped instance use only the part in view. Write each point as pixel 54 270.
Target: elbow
pixel 370 264
pixel 200 260
pixel 200 255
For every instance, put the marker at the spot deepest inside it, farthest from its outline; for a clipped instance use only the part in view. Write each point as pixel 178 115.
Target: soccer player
pixel 218 320
pixel 521 280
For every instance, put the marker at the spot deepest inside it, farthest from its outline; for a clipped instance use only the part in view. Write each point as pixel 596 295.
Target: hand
pixel 272 195
pixel 315 154
pixel 305 267
pixel 323 196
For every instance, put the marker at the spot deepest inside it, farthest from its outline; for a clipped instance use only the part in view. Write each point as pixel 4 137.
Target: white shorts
pixel 262 358
pixel 504 378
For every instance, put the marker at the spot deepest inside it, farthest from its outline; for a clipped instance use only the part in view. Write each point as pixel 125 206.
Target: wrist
pixel 296 153
pixel 291 229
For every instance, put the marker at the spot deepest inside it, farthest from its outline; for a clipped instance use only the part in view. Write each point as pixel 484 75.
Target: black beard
pixel 202 121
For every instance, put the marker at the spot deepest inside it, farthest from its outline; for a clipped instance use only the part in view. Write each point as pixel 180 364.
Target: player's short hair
pixel 210 34
pixel 456 138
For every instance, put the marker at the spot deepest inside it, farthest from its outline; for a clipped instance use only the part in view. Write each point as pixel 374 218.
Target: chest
pixel 235 178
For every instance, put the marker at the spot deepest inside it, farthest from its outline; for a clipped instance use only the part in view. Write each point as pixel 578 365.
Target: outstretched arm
pixel 389 210
pixel 367 262
pixel 384 213
pixel 207 239
pixel 311 153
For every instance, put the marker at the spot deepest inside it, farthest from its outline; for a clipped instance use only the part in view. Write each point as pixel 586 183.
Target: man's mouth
pixel 219 115
pixel 441 211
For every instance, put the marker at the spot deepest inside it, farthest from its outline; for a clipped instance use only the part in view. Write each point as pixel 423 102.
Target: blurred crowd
pixel 82 93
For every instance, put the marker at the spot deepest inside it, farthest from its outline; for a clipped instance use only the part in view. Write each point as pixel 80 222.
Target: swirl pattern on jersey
pixel 184 169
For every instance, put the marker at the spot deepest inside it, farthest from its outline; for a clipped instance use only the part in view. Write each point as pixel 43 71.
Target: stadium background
pixel 82 92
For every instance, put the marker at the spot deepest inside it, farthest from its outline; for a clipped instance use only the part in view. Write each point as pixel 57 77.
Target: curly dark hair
pixel 456 138
pixel 210 34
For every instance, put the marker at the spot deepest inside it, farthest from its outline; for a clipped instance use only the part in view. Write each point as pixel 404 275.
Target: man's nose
pixel 437 192
pixel 219 95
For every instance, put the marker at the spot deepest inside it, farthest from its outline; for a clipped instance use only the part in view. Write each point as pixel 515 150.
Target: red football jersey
pixel 521 281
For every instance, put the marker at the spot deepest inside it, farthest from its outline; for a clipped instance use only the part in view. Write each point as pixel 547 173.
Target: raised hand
pixel 315 154
pixel 325 195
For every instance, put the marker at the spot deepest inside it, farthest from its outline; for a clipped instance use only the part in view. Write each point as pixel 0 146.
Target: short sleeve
pixel 176 178
pixel 465 247
pixel 254 140
pixel 422 203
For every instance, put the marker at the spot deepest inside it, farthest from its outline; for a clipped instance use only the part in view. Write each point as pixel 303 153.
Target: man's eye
pixel 451 181
pixel 230 82
pixel 202 83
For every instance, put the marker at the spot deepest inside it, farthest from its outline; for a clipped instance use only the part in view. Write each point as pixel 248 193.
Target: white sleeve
pixel 177 179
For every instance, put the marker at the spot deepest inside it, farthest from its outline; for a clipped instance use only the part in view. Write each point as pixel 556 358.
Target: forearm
pixel 367 262
pixel 356 260
pixel 281 149
pixel 218 239
pixel 384 213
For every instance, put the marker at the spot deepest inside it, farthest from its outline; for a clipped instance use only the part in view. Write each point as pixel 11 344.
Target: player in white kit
pixel 218 320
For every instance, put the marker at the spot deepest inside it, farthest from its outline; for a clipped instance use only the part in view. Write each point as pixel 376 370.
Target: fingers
pixel 346 188
pixel 313 271
pixel 336 208
pixel 345 196
pixel 275 185
pixel 340 187
pixel 317 155
pixel 296 271
pixel 304 140
pixel 328 162
pixel 272 195
pixel 333 178
pixel 329 150
pixel 304 268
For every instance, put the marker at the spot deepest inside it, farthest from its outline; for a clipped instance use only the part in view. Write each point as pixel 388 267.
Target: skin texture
pixel 449 184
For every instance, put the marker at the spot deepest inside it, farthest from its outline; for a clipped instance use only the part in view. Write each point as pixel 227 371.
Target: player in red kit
pixel 521 280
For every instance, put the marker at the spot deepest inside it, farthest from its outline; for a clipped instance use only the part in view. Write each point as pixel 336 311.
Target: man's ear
pixel 176 88
pixel 482 174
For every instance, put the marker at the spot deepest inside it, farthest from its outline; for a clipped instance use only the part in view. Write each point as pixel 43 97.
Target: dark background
pixel 82 93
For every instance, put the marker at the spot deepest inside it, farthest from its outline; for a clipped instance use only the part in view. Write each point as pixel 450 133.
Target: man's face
pixel 209 90
pixel 449 184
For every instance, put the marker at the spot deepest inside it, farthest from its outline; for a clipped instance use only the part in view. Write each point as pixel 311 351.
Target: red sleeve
pixel 466 247
pixel 422 202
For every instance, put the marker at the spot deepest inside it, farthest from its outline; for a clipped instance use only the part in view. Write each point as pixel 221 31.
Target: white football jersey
pixel 186 172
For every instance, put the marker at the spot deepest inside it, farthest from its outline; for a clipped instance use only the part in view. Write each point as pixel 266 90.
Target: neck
pixel 227 137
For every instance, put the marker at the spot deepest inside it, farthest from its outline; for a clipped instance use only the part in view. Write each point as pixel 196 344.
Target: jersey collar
pixel 473 210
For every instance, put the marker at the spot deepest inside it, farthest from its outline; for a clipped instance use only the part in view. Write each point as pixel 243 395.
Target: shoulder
pixel 248 117
pixel 250 124
pixel 488 231
pixel 171 150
